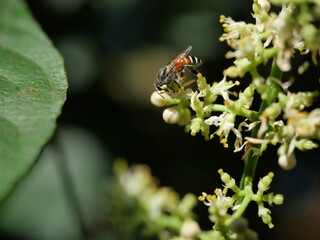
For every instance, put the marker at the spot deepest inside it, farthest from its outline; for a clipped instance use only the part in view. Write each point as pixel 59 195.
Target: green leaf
pixel 32 91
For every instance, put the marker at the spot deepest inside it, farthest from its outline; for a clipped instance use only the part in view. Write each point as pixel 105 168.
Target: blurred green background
pixel 113 50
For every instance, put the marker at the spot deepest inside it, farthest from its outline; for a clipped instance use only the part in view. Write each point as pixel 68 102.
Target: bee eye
pixel 158 87
pixel 162 73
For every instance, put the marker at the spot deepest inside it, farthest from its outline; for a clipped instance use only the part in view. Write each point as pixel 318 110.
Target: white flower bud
pixel 189 229
pixel 171 115
pixel 287 162
pixel 157 99
pixel 265 5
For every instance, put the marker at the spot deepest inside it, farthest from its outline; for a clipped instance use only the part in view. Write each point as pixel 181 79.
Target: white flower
pixel 225 124
pixel 222 88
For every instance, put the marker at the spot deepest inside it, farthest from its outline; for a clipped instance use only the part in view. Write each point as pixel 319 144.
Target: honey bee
pixel 174 70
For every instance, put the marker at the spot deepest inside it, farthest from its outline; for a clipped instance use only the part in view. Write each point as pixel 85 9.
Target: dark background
pixel 113 50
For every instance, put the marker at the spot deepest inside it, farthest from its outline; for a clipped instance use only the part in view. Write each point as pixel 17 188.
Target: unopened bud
pixel 190 229
pixel 171 115
pixel 265 182
pixel 185 116
pixel 278 199
pixel 287 162
pixel 157 99
pixel 265 5
pixel 195 126
pixel 272 111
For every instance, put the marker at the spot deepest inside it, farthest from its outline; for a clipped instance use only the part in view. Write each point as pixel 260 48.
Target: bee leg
pixel 181 76
pixel 193 71
pixel 179 80
pixel 187 83
pixel 178 84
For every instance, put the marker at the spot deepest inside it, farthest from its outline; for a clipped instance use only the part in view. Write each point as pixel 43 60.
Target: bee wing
pixel 184 53
pixel 170 70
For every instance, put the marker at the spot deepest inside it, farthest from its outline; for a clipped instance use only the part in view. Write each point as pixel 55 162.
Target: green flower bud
pixel 249 91
pixel 228 180
pixel 231 72
pixel 272 111
pixel 185 116
pixel 267 219
pixel 265 182
pixel 195 126
pixel 283 99
pixel 305 144
pixel 259 83
pixel 264 213
pixel 278 199
pixel 256 8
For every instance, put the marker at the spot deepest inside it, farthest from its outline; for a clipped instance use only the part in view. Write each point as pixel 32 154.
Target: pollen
pixel 222 18
pixel 271 174
pixel 201 198
pixel 301 115
pixel 223 140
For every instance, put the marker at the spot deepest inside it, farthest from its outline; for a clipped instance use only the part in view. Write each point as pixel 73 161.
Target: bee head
pixel 164 78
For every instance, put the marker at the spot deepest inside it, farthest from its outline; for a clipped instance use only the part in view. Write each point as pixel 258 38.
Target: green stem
pixel 267 54
pixel 251 115
pixel 271 95
pixel 240 211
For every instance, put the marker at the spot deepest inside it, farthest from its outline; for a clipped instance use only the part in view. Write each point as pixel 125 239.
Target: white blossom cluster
pixel 225 211
pixel 282 119
pixel 136 201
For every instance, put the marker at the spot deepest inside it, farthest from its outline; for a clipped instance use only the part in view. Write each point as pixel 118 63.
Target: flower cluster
pixel 282 119
pixel 136 201
pixel 300 131
pixel 195 109
pixel 280 35
pixel 233 226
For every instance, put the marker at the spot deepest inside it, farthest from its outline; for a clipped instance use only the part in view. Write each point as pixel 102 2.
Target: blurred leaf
pixel 32 90
pixel 41 209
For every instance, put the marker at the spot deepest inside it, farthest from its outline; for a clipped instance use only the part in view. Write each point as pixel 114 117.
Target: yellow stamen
pixel 223 140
